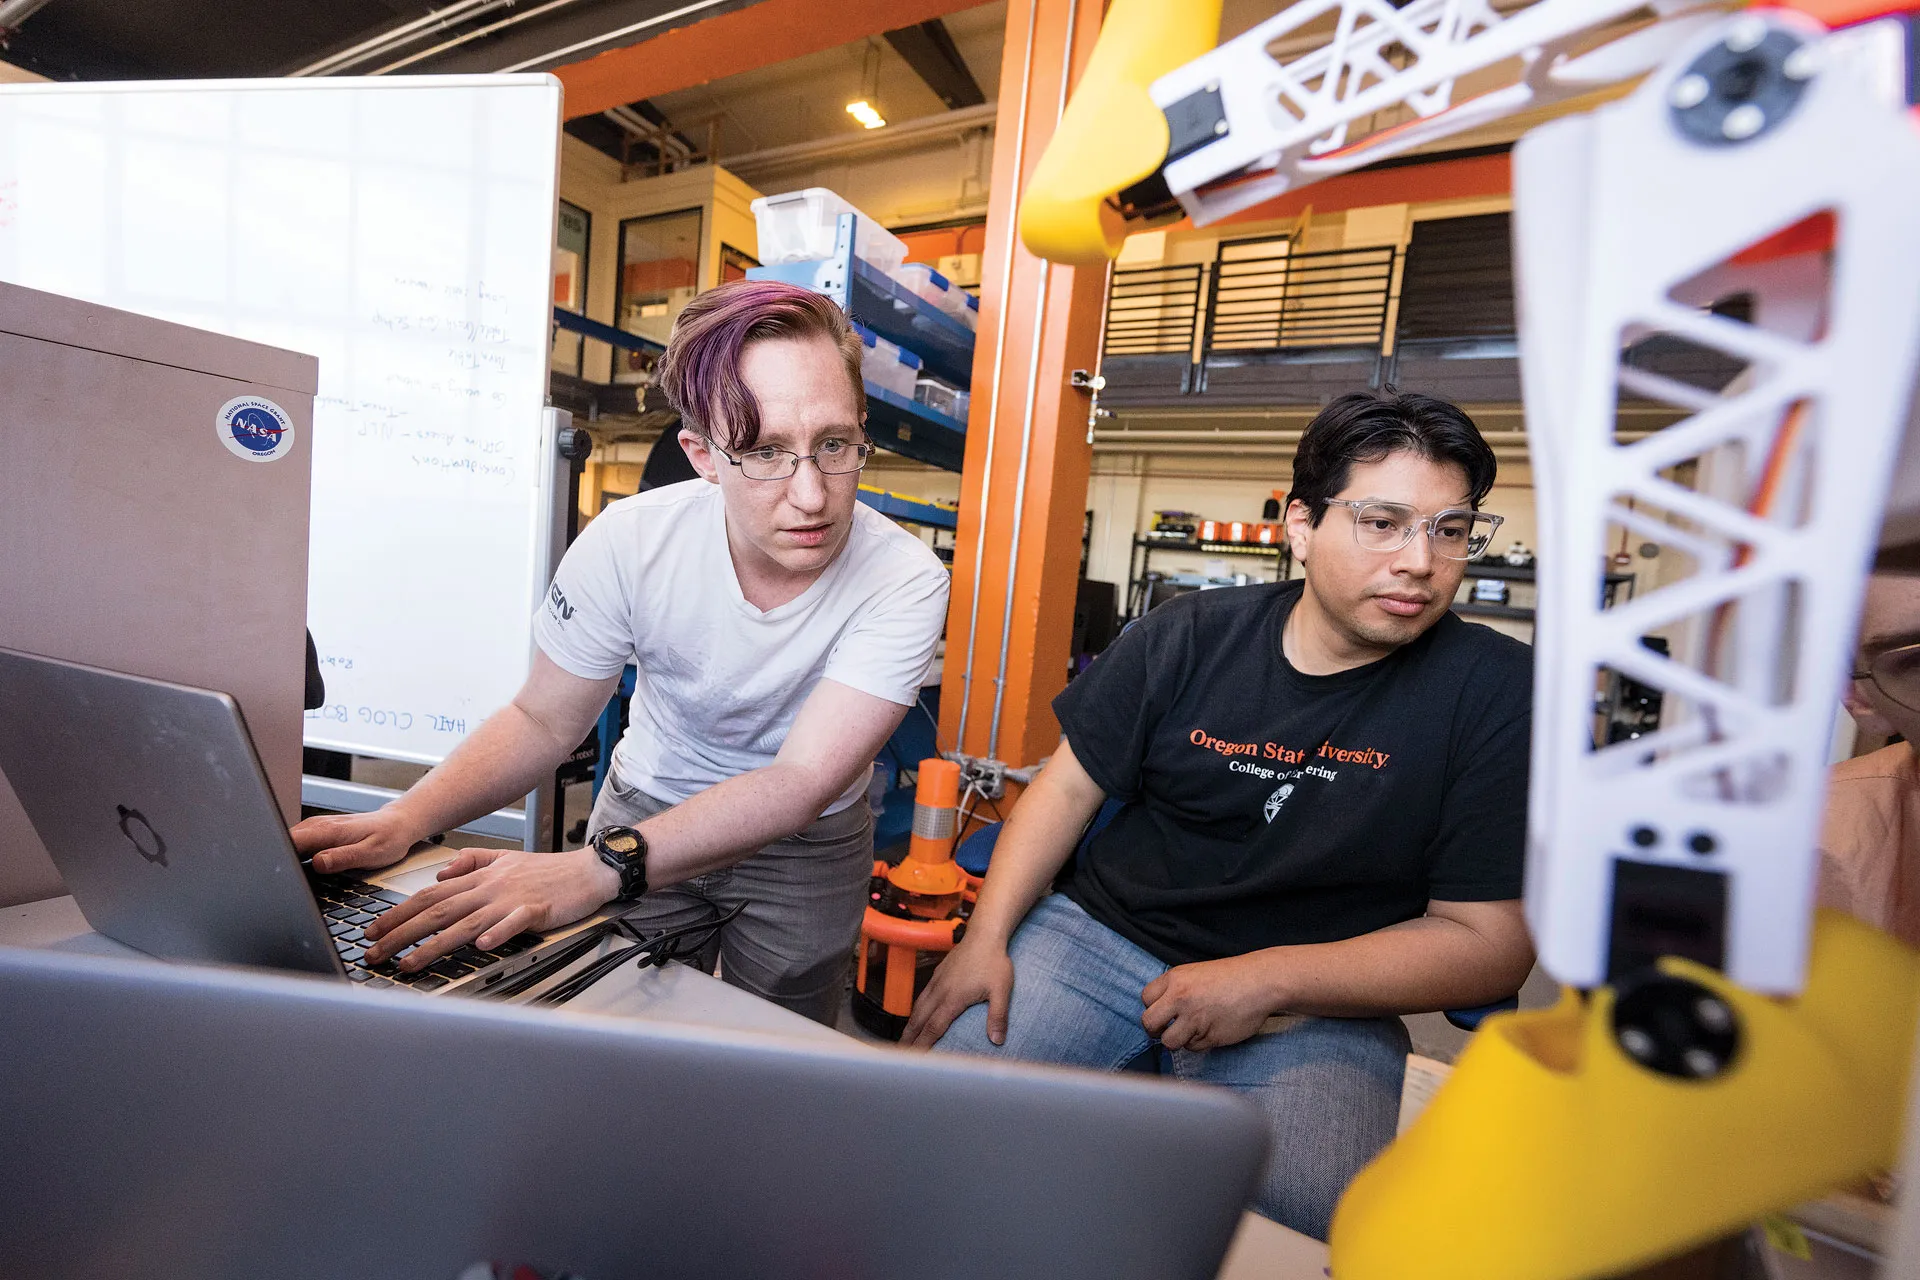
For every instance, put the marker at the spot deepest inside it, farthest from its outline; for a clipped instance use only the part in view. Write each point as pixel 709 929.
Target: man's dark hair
pixel 1366 426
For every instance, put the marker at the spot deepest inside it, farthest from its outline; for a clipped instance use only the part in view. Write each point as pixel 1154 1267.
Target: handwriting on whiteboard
pixel 387 717
pixel 458 328
pixel 436 449
pixel 481 292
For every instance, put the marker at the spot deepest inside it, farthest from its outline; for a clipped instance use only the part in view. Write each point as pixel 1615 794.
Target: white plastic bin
pixel 924 281
pixel 799 226
pixel 929 284
pixel 886 365
pixel 941 398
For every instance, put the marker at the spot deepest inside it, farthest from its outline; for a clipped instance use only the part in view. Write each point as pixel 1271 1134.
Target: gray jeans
pixel 805 897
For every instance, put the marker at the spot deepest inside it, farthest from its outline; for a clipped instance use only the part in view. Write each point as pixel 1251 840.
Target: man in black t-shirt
pixel 1322 812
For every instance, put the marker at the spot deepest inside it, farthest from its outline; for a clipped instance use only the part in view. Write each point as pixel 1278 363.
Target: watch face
pixel 620 840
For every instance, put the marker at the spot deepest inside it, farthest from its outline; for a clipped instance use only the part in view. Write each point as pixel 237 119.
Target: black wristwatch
pixel 625 850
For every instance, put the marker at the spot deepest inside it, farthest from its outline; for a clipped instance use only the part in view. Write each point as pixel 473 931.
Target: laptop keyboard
pixel 349 904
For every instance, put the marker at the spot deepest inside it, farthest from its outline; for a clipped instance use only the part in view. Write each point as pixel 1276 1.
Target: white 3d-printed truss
pixel 1625 227
pixel 1286 123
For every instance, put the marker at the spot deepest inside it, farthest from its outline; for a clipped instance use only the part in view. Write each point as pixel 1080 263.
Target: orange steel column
pixel 1023 490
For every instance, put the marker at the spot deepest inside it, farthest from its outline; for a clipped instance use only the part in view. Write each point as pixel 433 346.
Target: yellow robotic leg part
pixel 1112 135
pixel 1552 1155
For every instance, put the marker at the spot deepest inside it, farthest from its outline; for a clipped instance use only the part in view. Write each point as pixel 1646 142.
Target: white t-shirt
pixel 651 582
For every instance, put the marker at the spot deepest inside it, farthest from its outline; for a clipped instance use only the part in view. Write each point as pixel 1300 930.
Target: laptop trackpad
pixel 413 880
pixel 420 868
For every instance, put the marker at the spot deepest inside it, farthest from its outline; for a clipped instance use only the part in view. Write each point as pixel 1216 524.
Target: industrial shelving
pixel 872 298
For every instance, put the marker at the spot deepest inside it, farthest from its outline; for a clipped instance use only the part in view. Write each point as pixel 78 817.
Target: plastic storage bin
pixel 941 398
pixel 924 280
pixel 886 365
pixel 799 226
pixel 929 284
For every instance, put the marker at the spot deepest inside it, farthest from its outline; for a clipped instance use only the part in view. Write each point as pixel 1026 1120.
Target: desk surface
pixel 1261 1250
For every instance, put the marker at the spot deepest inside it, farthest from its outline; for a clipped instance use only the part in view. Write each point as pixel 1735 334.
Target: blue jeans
pixel 1330 1087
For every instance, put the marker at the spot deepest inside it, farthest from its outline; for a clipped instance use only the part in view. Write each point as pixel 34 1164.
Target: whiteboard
pixel 402 231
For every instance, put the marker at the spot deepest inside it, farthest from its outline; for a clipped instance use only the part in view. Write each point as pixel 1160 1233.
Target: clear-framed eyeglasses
pixel 1896 674
pixel 1459 534
pixel 833 456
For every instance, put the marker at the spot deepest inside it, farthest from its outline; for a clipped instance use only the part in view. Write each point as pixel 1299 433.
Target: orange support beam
pixel 743 40
pixel 1024 486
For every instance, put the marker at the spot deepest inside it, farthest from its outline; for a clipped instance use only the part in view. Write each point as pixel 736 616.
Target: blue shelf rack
pixel 909 510
pixel 911 429
pixel 884 305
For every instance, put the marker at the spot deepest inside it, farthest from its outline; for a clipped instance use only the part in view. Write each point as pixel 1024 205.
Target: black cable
pixel 658 951
pixel 658 955
pixel 548 965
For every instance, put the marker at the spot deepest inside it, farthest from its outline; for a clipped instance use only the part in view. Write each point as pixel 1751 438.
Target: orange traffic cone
pixel 916 911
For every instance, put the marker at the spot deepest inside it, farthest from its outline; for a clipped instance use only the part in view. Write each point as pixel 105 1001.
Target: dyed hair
pixel 700 373
pixel 1367 426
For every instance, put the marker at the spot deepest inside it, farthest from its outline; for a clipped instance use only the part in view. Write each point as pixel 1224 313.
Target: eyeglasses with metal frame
pixel 1457 534
pixel 833 456
pixel 1896 674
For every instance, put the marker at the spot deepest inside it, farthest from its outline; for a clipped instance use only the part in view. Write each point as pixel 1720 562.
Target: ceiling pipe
pixel 908 133
pixel 644 130
pixel 474 34
pixel 394 37
pixel 579 46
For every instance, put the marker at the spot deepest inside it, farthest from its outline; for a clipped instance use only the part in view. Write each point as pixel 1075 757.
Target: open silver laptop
pixel 152 803
pixel 164 1121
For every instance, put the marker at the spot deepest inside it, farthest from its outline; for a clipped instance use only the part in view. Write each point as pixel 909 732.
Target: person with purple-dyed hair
pixel 780 631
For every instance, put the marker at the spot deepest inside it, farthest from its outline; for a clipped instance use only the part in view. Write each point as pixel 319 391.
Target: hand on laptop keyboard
pixel 354 841
pixel 485 897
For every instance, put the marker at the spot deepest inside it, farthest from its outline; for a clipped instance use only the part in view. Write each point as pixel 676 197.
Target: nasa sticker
pixel 255 429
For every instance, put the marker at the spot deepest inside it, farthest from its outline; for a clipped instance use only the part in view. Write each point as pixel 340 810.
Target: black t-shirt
pixel 1265 807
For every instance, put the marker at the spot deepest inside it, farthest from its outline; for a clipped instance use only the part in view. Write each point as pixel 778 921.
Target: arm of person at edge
pixel 486 896
pixel 1458 955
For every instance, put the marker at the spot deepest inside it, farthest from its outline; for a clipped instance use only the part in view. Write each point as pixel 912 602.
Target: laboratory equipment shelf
pixel 913 430
pixel 884 305
pixel 1610 585
pixel 909 510
pixel 1143 548
pixel 1512 613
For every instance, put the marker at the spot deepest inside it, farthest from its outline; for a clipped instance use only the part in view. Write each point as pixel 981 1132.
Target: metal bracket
pixel 988 777
pixel 1081 380
pixel 985 777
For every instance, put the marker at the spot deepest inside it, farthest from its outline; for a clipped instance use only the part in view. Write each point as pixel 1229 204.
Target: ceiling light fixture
pixel 865 114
